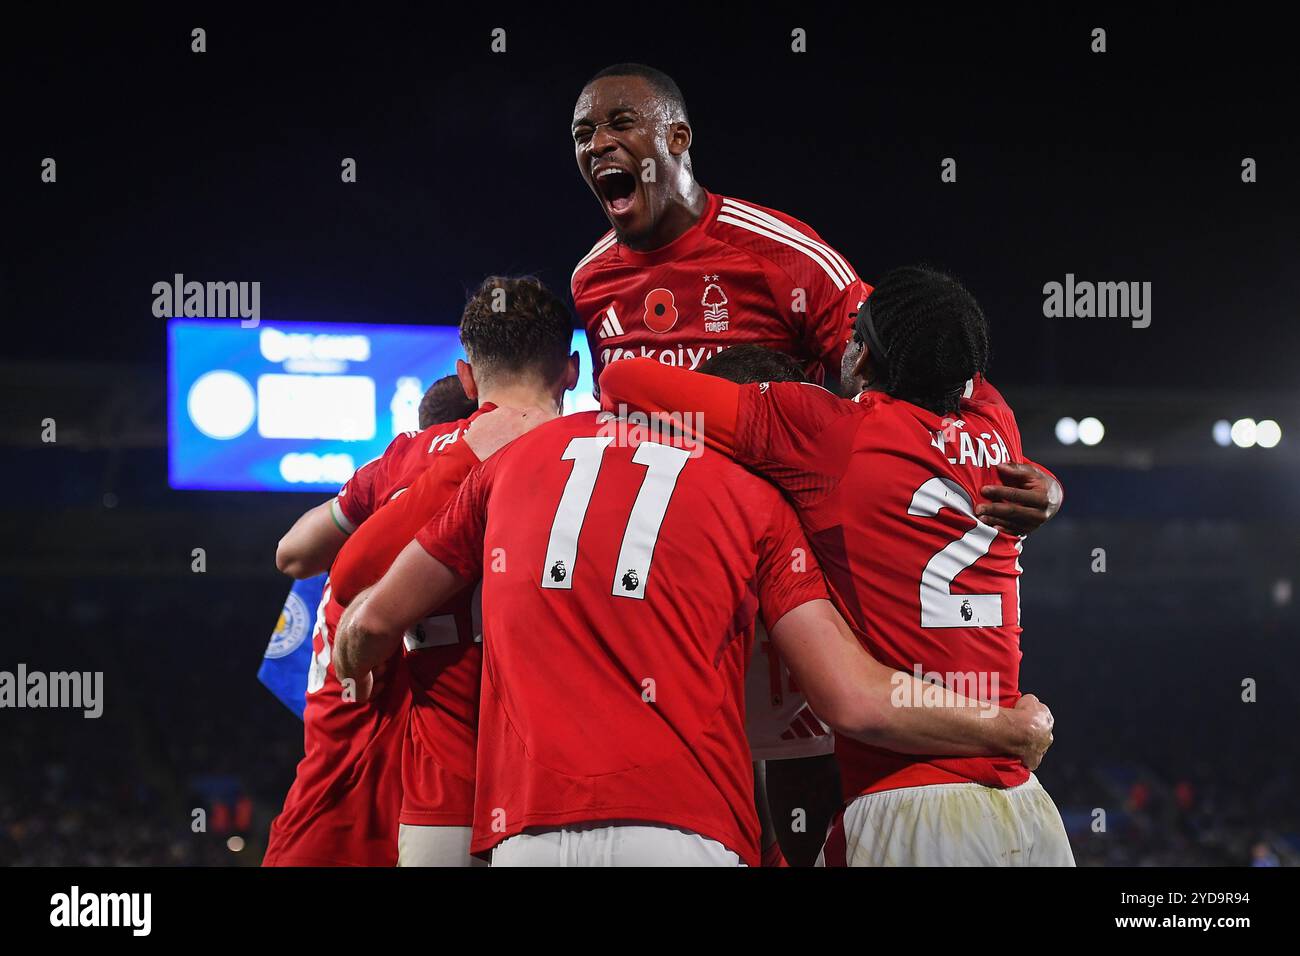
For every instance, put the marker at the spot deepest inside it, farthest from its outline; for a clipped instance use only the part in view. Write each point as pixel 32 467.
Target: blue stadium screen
pixel 299 406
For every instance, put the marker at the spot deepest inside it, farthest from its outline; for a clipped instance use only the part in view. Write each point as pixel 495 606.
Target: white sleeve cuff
pixel 340 519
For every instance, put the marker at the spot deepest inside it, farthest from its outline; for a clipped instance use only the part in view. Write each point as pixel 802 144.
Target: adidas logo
pixel 609 325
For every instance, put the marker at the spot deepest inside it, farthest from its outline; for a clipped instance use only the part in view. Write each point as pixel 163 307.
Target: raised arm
pixel 377 543
pixel 446 555
pixel 374 623
pixel 645 385
pixel 309 547
pixel 862 698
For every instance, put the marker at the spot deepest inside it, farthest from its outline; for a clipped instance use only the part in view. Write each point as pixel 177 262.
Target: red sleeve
pixel 814 287
pixel 372 549
pixel 778 428
pixel 356 499
pixel 830 326
pixel 362 493
pixel 796 435
pixel 788 574
pixel 648 386
pixel 988 401
pixel 455 535
pixel 982 390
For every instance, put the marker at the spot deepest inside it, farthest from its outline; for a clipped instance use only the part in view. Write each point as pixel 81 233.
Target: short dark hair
pixel 746 364
pixel 515 325
pixel 663 84
pixel 445 401
pixel 933 334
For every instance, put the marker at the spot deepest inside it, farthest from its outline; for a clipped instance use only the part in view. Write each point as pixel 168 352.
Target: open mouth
pixel 617 187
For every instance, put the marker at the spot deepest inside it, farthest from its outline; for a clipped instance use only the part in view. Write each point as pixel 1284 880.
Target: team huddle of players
pixel 537 644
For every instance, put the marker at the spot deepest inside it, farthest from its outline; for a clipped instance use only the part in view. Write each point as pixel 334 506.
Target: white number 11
pixel 663 464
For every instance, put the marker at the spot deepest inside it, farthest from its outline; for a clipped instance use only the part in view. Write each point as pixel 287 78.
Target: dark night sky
pixel 1122 166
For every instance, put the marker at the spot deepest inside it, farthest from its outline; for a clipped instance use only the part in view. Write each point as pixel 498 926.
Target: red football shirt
pixel 621 580
pixel 443 657
pixel 405 457
pixel 886 493
pixel 343 807
pixel 741 275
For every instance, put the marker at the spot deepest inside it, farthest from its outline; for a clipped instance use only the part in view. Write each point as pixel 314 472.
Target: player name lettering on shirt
pixel 442 441
pixel 961 448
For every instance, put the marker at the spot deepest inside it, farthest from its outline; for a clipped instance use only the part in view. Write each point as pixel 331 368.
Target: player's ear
pixel 465 372
pixel 679 138
pixel 860 367
pixel 571 376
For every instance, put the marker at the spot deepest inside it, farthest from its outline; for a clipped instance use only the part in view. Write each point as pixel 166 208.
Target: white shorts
pixel 950 824
pixel 622 845
pixel 434 846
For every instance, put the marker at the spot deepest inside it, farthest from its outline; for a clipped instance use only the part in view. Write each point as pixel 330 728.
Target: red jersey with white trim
pixel 742 274
pixel 405 457
pixel 342 807
pixel 443 651
pixel 621 580
pixel 886 493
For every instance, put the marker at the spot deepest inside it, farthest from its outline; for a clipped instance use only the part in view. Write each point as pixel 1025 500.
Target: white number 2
pixel 939 606
pixel 663 464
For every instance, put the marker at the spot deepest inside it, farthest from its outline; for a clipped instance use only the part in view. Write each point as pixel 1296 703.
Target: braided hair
pixel 932 334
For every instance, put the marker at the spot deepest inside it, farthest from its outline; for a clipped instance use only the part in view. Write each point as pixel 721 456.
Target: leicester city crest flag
pixel 288 655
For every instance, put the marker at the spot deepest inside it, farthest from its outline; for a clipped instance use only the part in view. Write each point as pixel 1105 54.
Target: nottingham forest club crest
pixel 714 300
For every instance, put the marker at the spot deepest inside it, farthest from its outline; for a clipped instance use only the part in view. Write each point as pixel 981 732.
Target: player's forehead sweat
pixel 607 95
